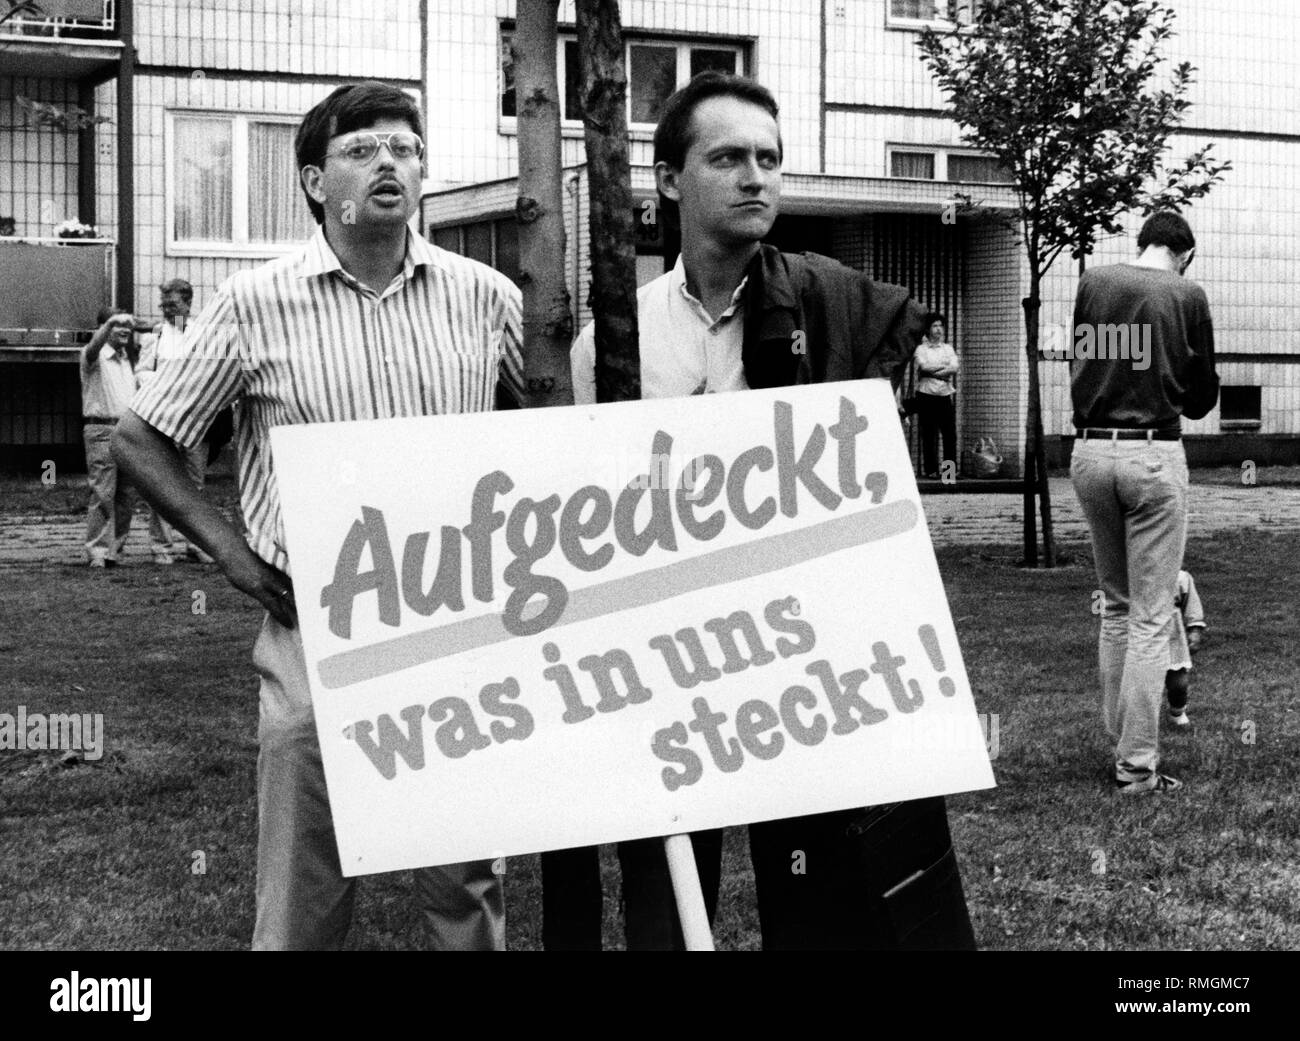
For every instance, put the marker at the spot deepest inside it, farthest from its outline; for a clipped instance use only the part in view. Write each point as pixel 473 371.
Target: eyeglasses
pixel 362 148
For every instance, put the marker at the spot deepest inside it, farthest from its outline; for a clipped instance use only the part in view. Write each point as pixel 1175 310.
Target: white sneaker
pixel 1178 717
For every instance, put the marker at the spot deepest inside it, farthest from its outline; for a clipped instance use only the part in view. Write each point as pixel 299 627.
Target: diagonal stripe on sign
pixel 622 594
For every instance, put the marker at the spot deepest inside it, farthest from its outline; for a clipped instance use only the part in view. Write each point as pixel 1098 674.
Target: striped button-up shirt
pixel 299 340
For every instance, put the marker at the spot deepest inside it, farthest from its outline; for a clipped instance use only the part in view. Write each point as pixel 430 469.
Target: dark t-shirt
pixel 1143 349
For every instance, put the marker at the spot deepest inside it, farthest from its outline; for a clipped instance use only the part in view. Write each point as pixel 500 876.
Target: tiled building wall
pixel 464 76
pixel 869 62
pixel 190 57
pixel 379 39
pixel 856 142
pixel 1244 52
pixel 106 160
pixel 38 165
pixel 994 384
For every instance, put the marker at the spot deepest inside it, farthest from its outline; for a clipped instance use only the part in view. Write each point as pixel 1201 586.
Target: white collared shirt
pixel 299 340
pixel 107 384
pixel 164 341
pixel 683 350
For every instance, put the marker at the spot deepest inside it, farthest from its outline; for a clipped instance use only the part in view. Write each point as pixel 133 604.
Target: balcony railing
pixel 54 289
pixel 64 19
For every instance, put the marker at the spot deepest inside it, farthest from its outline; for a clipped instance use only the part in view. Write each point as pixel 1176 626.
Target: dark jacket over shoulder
pixel 853 327
pixel 890 878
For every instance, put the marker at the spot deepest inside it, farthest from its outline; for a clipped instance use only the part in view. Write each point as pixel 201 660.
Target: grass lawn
pixel 103 855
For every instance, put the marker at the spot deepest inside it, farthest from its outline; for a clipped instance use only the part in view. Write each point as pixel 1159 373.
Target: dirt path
pixel 954 519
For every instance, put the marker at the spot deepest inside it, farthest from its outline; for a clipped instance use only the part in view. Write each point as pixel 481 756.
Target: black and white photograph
pixel 651 475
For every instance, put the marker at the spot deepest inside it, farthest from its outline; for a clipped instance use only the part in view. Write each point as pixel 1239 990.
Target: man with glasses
pixel 366 321
pixel 1143 357
pixel 175 299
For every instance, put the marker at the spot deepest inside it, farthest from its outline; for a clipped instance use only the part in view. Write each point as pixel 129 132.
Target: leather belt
pixel 101 420
pixel 1126 434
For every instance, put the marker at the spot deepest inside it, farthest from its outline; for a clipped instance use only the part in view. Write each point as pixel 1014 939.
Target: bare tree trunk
pixel 613 246
pixel 539 209
pixel 1035 455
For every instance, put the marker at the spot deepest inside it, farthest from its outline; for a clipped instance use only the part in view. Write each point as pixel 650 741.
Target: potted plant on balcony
pixel 74 229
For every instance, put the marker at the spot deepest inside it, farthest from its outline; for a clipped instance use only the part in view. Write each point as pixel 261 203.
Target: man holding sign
pixel 736 315
pixel 367 321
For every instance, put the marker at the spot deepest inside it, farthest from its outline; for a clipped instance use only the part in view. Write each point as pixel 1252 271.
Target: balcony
pixel 54 288
pixel 64 39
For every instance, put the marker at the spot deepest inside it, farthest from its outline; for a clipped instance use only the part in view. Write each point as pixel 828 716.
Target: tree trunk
pixel 613 245
pixel 1035 456
pixel 539 209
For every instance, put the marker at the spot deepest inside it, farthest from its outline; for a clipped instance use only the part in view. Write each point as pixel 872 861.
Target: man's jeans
pixel 112 502
pixel 1134 496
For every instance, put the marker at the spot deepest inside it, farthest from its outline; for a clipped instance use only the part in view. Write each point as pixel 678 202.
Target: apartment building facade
pixel 873 163
pixel 190 176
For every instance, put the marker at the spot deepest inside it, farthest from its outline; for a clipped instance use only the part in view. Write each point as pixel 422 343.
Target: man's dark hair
pixel 1167 228
pixel 178 285
pixel 352 107
pixel 673 134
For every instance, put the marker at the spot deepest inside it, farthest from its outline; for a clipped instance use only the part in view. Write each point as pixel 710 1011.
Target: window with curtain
pixel 655 68
pixel 917 165
pixel 277 211
pixel 233 184
pixel 960 12
pixel 978 169
pixel 203 169
pixel 914 10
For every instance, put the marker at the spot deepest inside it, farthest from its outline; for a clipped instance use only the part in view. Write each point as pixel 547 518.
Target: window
pixel 918 165
pixel 655 68
pixel 915 13
pixel 491 242
pixel 978 169
pixel 939 164
pixel 232 185
pixel 1239 408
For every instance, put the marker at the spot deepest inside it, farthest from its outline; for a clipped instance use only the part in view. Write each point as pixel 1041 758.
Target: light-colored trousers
pixel 303 900
pixel 1134 497
pixel 112 502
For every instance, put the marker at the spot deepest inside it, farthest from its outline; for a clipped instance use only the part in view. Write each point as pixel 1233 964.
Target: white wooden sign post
pixel 561 627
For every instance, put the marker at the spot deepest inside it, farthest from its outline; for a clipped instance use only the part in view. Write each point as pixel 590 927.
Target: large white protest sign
pixel 543 629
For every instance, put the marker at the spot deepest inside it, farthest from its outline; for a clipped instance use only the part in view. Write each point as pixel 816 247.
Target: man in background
pixel 175 301
pixel 1130 472
pixel 108 384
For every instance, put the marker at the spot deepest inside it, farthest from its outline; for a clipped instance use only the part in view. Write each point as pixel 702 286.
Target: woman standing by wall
pixel 936 390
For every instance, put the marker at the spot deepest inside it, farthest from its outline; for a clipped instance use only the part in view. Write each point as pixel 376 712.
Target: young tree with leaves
pixel 1067 95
